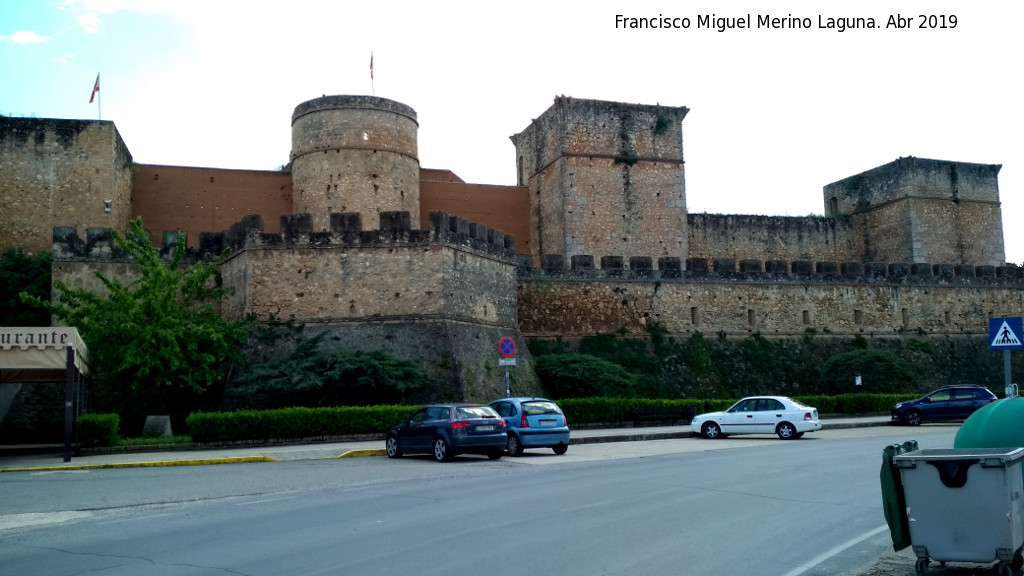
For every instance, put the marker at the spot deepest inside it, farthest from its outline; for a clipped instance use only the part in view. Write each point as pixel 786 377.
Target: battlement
pixel 297 232
pixel 642 268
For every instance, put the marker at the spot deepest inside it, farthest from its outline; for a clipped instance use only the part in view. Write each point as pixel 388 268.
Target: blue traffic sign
pixel 1005 333
pixel 507 347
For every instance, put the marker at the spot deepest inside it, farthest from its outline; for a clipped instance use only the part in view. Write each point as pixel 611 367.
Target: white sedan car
pixel 759 415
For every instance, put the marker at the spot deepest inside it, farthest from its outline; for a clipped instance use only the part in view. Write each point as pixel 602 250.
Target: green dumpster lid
pixel 996 425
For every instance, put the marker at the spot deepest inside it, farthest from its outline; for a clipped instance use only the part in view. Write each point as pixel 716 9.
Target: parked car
pixel 759 415
pixel 946 403
pixel 533 423
pixel 446 430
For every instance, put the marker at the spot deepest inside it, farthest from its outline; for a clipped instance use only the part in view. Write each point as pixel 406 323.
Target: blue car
pixel 533 423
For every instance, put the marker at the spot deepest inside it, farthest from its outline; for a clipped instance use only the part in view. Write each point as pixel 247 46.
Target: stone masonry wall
pixel 455 270
pixel 921 210
pixel 771 238
pixel 57 173
pixel 354 154
pixel 840 299
pixel 605 177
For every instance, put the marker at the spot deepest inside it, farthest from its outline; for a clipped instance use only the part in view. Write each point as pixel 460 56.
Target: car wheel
pixel 495 454
pixel 391 447
pixel 441 453
pixel 711 431
pixel 560 449
pixel 786 431
pixel 912 418
pixel 514 446
pixel 799 435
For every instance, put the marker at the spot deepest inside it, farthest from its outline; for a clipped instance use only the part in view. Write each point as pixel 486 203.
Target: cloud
pixel 24 37
pixel 66 59
pixel 89 23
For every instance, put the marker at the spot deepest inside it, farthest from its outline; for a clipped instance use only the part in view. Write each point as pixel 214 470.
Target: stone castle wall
pixel 774 298
pixel 771 238
pixel 354 154
pixel 443 296
pixel 605 178
pixel 454 270
pixel 55 172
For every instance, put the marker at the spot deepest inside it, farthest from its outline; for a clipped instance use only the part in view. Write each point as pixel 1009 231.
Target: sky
pixel 775 114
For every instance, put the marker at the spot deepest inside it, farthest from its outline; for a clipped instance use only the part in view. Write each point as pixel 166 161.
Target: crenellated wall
pixel 771 298
pixel 443 296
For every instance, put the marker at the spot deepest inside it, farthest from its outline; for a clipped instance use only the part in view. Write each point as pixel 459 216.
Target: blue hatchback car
pixel 533 423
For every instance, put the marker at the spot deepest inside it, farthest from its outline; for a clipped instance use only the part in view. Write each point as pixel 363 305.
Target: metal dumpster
pixel 964 505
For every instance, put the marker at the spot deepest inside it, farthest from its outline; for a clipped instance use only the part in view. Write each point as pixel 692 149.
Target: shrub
pixel 881 372
pixel 98 430
pixel 312 377
pixel 582 376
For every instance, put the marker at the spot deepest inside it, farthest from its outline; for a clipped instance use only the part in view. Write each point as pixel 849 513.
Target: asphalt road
pixel 738 506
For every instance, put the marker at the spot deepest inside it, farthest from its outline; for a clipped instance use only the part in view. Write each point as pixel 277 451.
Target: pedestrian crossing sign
pixel 1005 334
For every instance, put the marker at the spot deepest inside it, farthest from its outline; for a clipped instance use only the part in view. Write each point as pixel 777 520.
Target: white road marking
pixel 830 553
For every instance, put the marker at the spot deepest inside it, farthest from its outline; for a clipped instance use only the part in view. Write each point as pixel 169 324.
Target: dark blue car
pixel 533 423
pixel 445 430
pixel 947 403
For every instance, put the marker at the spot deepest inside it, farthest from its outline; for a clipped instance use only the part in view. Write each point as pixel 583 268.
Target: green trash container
pixel 996 425
pixel 894 504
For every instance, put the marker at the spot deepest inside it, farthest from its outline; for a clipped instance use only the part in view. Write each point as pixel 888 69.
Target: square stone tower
pixel 605 179
pixel 61 172
pixel 918 210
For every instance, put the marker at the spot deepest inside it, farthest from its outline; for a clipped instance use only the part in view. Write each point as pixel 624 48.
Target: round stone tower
pixel 354 154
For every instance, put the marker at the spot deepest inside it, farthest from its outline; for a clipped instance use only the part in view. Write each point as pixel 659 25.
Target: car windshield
pixel 537 408
pixel 468 412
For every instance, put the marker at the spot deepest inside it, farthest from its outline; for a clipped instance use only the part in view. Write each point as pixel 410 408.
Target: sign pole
pixel 507 349
pixel 1006 370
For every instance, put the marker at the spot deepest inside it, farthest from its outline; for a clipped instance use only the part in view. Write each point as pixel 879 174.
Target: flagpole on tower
pixel 373 91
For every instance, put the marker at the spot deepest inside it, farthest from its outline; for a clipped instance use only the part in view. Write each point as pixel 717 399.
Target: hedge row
pixel 204 427
pixel 293 422
pixel 316 422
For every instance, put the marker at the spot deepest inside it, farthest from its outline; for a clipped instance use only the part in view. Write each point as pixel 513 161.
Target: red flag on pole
pixel 371 65
pixel 95 89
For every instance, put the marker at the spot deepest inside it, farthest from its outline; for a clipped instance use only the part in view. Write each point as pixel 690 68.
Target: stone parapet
pixel 582 267
pixel 297 232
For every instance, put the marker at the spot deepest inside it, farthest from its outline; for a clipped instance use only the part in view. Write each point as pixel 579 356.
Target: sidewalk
pixel 13 461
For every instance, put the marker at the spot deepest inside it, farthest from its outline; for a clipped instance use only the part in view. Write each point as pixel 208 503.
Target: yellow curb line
pixel 362 453
pixel 198 462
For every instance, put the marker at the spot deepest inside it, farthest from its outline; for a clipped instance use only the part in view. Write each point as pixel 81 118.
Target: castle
pixel 353 237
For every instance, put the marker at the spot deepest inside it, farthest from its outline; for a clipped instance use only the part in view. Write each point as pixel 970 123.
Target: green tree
pixel 156 342
pixel 312 377
pixel 23 272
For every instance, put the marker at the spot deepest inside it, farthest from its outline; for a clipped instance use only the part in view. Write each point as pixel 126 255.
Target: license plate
pixel 487 428
pixel 548 423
